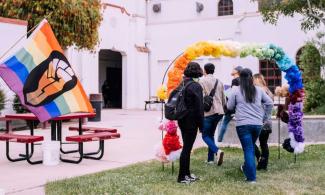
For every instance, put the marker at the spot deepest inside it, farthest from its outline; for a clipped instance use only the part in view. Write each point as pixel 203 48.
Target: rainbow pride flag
pixel 43 78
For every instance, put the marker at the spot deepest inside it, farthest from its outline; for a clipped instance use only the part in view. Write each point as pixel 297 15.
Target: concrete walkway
pixel 139 135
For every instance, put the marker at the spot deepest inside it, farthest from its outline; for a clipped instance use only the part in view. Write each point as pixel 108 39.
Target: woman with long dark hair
pixel 193 121
pixel 253 108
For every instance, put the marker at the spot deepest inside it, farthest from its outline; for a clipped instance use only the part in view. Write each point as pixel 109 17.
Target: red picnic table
pixel 56 123
pixel 56 132
pixel 93 134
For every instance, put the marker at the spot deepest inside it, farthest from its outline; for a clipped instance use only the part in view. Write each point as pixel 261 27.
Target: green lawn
pixel 306 176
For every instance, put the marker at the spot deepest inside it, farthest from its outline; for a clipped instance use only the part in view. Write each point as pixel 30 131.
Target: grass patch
pixel 306 176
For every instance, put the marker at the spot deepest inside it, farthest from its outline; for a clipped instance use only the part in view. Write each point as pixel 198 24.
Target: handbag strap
pixel 213 91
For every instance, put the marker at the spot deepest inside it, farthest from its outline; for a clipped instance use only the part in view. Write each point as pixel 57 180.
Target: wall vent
pixel 156 7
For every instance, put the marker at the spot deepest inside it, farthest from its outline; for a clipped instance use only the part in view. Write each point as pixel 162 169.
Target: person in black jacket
pixel 192 121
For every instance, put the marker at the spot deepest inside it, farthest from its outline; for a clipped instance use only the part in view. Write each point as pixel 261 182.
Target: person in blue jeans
pixel 253 108
pixel 214 88
pixel 229 114
pixel 224 125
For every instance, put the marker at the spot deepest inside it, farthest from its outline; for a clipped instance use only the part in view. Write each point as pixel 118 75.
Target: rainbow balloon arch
pixel 261 51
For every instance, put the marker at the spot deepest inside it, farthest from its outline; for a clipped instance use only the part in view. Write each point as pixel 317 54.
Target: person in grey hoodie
pixel 252 108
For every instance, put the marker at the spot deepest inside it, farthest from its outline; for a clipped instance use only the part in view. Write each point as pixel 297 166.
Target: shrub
pixel 18 107
pixel 311 60
pixel 315 96
pixel 2 100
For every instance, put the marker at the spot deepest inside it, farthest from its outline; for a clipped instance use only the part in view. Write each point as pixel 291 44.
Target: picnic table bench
pixel 95 134
pixel 93 129
pixel 27 139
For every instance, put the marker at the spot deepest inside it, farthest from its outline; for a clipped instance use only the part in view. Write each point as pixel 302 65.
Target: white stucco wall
pixel 178 25
pixel 10 33
pixel 119 32
pixel 169 32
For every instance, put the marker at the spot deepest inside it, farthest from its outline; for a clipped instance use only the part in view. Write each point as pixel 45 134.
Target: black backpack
pixel 175 107
pixel 208 99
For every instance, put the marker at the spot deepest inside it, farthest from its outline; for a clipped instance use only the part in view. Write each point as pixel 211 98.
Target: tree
pixel 313 11
pixel 312 61
pixel 74 22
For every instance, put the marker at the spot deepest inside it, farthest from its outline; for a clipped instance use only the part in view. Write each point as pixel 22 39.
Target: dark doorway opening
pixel 110 73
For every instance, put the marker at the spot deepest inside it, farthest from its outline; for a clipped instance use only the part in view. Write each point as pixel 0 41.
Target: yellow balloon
pixel 162 92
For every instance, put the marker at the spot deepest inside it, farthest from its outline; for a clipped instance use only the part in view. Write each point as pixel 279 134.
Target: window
pixel 225 7
pixel 271 73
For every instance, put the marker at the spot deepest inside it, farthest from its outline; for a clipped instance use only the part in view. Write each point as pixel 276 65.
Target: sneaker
pixel 209 162
pixel 192 178
pixel 184 181
pixel 219 159
pixel 262 164
pixel 250 182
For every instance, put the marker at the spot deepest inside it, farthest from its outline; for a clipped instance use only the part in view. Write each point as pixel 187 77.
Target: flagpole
pixel 6 52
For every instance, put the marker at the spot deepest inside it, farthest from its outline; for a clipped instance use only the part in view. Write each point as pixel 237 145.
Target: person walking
pixel 210 84
pixel 253 108
pixel 193 121
pixel 263 155
pixel 229 115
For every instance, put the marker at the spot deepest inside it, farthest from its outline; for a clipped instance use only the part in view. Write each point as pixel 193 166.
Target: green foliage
pixel 315 95
pixel 312 61
pixel 313 16
pixel 17 107
pixel 307 176
pixel 317 111
pixel 74 22
pixel 2 100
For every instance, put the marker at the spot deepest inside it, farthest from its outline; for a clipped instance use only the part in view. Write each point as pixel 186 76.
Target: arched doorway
pixel 110 70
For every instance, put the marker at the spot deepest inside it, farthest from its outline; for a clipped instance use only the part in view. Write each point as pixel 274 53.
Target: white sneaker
pixel 251 182
pixel 210 162
pixel 192 178
pixel 184 181
pixel 219 159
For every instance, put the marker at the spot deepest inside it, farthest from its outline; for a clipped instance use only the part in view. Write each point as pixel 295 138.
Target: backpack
pixel 175 108
pixel 208 99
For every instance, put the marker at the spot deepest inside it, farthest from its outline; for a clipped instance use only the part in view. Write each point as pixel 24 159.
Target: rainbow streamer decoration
pixel 43 78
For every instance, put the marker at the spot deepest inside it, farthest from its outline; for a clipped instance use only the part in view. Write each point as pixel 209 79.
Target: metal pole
pixel 162 137
pixel 162 132
pixel 163 80
pixel 279 136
